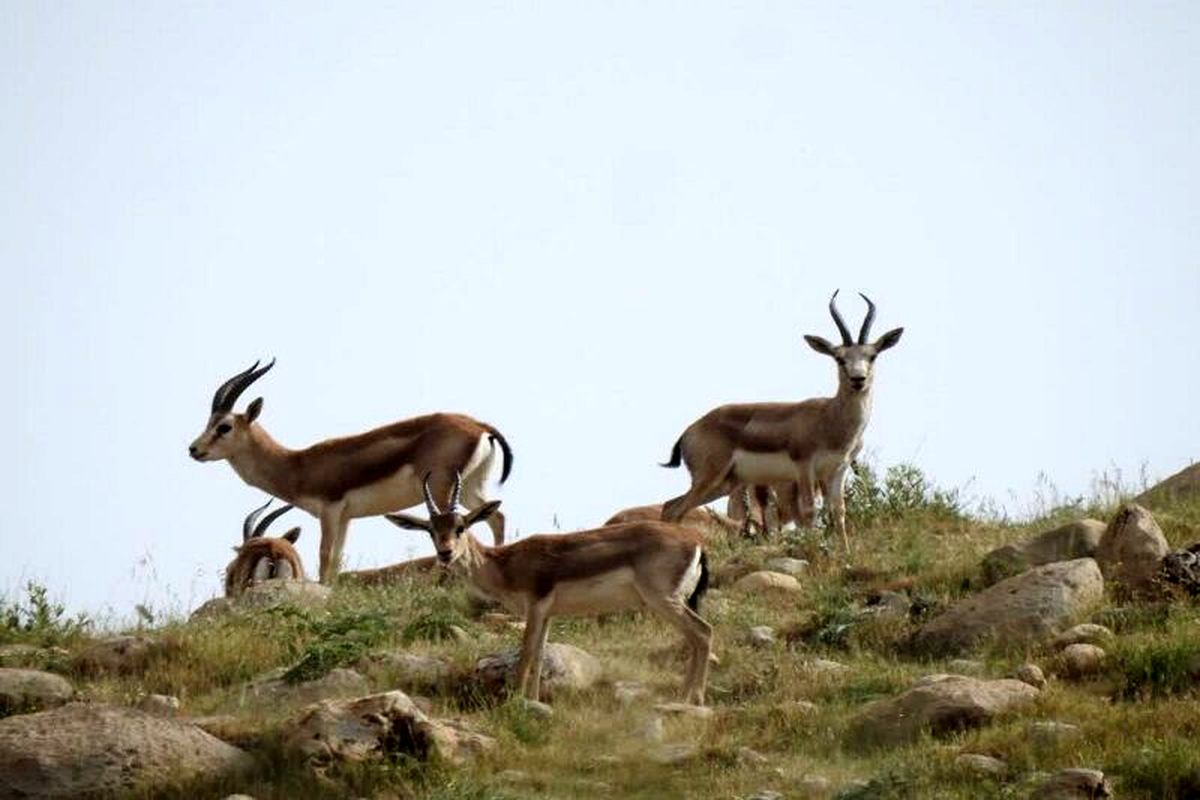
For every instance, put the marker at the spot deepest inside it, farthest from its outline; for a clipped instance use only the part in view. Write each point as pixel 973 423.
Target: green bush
pixel 39 619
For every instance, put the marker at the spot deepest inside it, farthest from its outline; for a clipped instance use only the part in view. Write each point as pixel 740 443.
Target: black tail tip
pixel 701 585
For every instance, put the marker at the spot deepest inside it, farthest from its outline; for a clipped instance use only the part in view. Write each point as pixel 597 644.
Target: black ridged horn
pixel 866 326
pixel 248 531
pixel 457 490
pixel 837 319
pixel 229 391
pixel 429 504
pixel 261 528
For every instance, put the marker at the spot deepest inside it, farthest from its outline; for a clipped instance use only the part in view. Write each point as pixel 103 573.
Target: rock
pixel 986 765
pixel 238 797
pixel 160 705
pixel 685 710
pixel 814 786
pixel 801 707
pixel 1031 674
pixel 379 727
pixel 460 635
pixel 1132 549
pixel 513 776
pixel 764 581
pixel 1082 660
pixel 1031 606
pixel 564 667
pixel 788 566
pixel 121 655
pixel 23 690
pixel 824 666
pixel 675 754
pixel 536 708
pixel 951 704
pixel 746 755
pixel 965 666
pixel 1078 539
pixel 267 594
pixel 651 730
pixel 1181 568
pixel 409 671
pixel 272 688
pixel 1050 732
pixel 1074 784
pixel 1087 633
pixel 761 636
pixel 629 692
pixel 88 750
pixel 766 794
pixel 887 603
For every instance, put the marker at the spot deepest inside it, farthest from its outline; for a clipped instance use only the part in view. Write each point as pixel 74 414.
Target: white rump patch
pixel 690 579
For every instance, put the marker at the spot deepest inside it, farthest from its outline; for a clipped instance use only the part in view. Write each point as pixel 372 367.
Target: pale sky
pixel 586 224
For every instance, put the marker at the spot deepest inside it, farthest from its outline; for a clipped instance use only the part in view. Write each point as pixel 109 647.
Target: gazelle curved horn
pixel 837 319
pixel 457 490
pixel 248 531
pixel 229 391
pixel 429 504
pixel 866 326
pixel 261 528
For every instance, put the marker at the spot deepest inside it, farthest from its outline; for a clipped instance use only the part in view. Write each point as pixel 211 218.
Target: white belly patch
pixel 776 467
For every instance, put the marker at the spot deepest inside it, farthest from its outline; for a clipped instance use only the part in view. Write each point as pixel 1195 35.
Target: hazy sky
pixel 587 224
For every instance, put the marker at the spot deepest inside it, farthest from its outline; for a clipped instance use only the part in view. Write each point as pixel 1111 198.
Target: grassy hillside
pixel 1137 718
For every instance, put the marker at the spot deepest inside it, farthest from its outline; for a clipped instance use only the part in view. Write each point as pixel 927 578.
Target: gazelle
pixel 765 508
pixel 260 557
pixel 810 443
pixel 655 565
pixel 364 475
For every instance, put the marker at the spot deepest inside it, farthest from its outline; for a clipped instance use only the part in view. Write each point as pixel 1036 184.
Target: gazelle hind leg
pixel 696 632
pixel 698 495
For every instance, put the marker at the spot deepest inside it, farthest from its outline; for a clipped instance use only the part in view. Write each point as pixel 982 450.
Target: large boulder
pixel 942 704
pixel 272 689
pixel 409 671
pixel 379 727
pixel 1074 784
pixel 563 667
pixel 1132 549
pixel 24 690
pixel 1028 607
pixel 1078 539
pixel 81 751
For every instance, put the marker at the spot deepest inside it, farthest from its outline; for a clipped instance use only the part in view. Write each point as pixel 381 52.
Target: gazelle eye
pixel 459 529
pixel 224 428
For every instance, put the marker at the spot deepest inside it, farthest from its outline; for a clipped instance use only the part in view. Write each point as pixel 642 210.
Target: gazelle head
pixel 260 557
pixel 226 431
pixel 856 360
pixel 447 528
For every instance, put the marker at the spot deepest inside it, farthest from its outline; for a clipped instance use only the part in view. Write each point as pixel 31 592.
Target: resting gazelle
pixel 656 565
pixel 261 557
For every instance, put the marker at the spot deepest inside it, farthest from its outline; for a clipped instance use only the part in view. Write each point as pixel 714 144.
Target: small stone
pixel 459 635
pixel 238 797
pixel 977 762
pixel 684 710
pixel 761 636
pixel 160 705
pixel 1032 674
pixel 1074 784
pixel 513 776
pixel 824 666
pixel 802 707
pixel 887 603
pixel 766 581
pixel 629 692
pixel 965 666
pixel 766 794
pixel 814 786
pixel 748 756
pixel 1087 633
pixel 1050 732
pixel 537 708
pixel 1083 660
pixel 788 566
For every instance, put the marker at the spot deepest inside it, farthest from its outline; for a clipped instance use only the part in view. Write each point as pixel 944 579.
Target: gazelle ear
pixel 822 346
pixel 482 513
pixel 409 523
pixel 889 339
pixel 254 409
pixel 292 535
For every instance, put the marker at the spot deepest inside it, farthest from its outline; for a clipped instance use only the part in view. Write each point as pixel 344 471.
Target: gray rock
pixel 814 786
pixel 272 688
pixel 766 581
pixel 564 667
pixel 965 666
pixel 746 755
pixel 90 750
pixel 267 594
pixel 379 727
pixel 825 666
pixel 1050 732
pixel 410 671
pixel 1032 606
pixel 675 754
pixel 1031 674
pixel 986 765
pixel 1087 633
pixel 1074 784
pixel 160 705
pixel 766 794
pixel 788 566
pixel 684 710
pixel 762 636
pixel 23 690
pixel 1078 539
pixel 536 708
pixel 1132 549
pixel 629 692
pixel 887 603
pixel 1082 660
pixel 951 704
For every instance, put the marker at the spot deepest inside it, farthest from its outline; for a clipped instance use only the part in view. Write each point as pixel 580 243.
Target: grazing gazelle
pixel 810 443
pixel 655 565
pixel 364 475
pixel 260 558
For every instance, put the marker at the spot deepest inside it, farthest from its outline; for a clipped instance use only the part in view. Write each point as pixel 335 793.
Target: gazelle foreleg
pixel 835 501
pixel 529 666
pixel 333 537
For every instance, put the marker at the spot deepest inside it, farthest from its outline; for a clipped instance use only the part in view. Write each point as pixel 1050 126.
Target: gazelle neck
pixel 478 568
pixel 851 407
pixel 264 463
